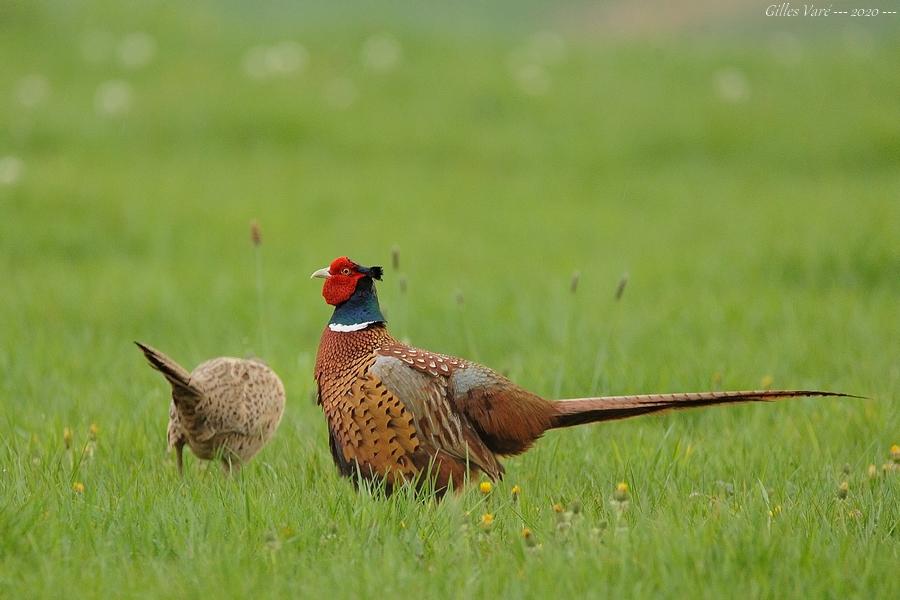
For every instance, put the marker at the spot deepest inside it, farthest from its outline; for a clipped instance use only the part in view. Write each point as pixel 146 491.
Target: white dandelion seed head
pixel 287 57
pixel 136 50
pixel 32 90
pixel 113 98
pixel 381 52
pixel 731 85
pixel 533 79
pixel 281 59
pixel 11 170
pixel 340 93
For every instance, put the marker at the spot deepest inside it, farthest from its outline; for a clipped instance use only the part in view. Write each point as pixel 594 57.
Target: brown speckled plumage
pixel 227 406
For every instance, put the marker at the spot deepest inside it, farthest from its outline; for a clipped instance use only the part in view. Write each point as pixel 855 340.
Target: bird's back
pixel 240 406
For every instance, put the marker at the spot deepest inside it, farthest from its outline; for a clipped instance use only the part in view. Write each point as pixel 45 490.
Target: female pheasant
pixel 399 413
pixel 229 407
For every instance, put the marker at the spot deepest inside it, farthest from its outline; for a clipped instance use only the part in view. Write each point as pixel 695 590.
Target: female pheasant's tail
pixel 588 410
pixel 178 376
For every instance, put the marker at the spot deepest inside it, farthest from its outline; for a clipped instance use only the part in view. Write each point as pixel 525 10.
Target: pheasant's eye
pixel 345 271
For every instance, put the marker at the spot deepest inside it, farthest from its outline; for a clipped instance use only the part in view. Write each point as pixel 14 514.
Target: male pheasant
pixel 398 413
pixel 227 407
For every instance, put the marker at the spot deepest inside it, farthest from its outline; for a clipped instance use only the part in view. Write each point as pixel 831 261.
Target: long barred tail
pixel 608 408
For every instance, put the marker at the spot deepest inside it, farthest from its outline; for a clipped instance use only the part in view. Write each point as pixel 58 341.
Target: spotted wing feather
pixel 426 393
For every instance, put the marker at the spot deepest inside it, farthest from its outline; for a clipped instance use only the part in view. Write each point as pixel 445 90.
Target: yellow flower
pixel 93 431
pixel 78 487
pixel 67 437
pixel 621 493
pixel 529 538
pixel 766 382
pixel 516 490
pixel 557 508
pixel 487 519
pixel 895 453
pixel 486 487
pixel 843 490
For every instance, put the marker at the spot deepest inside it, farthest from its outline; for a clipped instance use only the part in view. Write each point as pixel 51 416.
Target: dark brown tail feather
pixel 178 376
pixel 588 410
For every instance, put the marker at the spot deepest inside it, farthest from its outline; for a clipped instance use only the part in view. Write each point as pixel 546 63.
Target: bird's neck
pixel 359 312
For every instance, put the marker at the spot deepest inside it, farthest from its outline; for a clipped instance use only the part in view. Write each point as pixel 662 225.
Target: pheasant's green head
pixel 350 289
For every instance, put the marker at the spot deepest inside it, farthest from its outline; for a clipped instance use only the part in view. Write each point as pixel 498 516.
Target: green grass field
pixel 745 175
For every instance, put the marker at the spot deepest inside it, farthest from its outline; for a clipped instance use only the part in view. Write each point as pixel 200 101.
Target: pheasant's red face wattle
pixel 343 274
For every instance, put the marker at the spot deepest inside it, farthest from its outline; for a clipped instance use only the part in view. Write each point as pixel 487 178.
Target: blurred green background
pixel 742 171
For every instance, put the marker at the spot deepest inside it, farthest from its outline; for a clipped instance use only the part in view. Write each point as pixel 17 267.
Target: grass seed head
pixel 620 289
pixel 255 233
pixel 576 277
pixel 67 438
pixel 558 508
pixel 872 472
pixel 93 430
pixel 395 258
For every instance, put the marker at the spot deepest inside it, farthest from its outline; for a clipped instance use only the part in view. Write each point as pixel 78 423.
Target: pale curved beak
pixel 321 273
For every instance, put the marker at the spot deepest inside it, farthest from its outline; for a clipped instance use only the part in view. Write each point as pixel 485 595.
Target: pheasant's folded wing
pixel 425 391
pixel 506 418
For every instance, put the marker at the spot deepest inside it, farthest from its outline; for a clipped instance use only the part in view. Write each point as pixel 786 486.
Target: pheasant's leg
pixel 179 448
pixel 230 464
